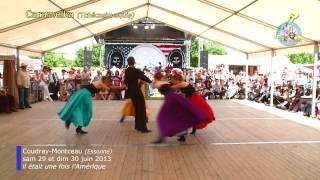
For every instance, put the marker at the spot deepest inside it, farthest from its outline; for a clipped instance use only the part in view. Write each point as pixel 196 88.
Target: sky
pixel 70 50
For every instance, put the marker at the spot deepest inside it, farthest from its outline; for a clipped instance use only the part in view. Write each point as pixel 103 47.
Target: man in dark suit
pixel 132 75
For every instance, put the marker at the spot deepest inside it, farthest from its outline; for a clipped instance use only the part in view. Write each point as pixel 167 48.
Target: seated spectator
pixel 208 91
pixel 6 102
pixel 64 94
pixel 294 106
pixel 217 89
pixel 232 89
pixel 264 95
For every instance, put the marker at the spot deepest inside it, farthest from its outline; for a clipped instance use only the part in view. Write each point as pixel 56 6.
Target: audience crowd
pixel 292 91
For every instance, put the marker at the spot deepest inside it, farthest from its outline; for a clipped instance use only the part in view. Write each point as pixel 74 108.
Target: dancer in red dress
pixel 195 98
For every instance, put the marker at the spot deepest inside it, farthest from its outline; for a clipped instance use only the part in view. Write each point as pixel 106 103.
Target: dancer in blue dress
pixel 78 109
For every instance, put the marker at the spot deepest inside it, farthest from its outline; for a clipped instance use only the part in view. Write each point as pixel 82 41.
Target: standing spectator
pixel 98 76
pixel 23 82
pixel 77 80
pixel 158 68
pixel 45 80
pixel 54 85
pixel 71 85
pixel 37 89
pixel 64 77
pixel 85 76
pixel 116 82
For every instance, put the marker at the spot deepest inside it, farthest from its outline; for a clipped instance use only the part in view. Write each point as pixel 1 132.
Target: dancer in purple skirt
pixel 176 114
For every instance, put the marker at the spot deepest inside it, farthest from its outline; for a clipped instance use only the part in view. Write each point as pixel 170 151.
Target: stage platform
pixel 243 143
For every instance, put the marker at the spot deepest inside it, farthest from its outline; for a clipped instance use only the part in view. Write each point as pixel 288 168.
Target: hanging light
pixel 146 27
pixel 135 26
pixel 153 26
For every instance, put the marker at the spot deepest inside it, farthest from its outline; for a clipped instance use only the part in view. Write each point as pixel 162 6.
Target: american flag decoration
pixel 166 49
pixel 125 48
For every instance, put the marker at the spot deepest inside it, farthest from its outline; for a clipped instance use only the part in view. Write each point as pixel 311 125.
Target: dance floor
pixel 242 144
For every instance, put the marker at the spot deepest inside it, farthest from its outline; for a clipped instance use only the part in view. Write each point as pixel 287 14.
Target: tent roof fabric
pixel 248 26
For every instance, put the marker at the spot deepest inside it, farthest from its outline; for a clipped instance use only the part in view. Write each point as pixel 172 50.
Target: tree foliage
pixel 194 53
pixel 301 58
pixel 212 48
pixel 78 61
pixel 52 59
pixel 96 50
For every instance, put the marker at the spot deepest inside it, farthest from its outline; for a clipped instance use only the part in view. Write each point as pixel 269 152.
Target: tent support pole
pixel 42 58
pixel 314 79
pixel 18 58
pixel 271 78
pixel 200 48
pixel 247 76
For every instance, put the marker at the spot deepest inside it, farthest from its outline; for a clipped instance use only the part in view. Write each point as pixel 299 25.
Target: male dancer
pixel 132 75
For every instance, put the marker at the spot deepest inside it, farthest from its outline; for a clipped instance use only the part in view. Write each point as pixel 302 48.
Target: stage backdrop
pixel 146 54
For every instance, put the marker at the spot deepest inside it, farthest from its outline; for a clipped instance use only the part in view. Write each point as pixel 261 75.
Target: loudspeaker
pixel 87 58
pixel 204 59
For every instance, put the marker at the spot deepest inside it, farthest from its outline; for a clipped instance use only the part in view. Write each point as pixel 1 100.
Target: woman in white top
pixel 45 83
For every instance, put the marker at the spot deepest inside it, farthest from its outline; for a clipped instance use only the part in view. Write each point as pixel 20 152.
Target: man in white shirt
pixel 23 82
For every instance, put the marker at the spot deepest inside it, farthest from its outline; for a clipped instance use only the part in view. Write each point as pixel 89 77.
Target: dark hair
pixel 131 61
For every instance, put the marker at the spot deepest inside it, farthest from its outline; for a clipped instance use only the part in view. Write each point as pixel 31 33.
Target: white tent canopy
pixel 248 26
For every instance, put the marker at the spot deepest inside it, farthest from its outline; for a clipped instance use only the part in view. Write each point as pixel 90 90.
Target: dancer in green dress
pixel 78 109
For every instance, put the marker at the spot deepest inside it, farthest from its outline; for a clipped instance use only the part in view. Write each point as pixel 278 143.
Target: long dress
pixel 198 101
pixel 78 109
pixel 45 86
pixel 177 113
pixel 128 108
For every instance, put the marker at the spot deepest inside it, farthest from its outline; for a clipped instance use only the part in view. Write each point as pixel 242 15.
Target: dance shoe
pixel 68 124
pixel 158 141
pixel 145 131
pixel 122 119
pixel 182 139
pixel 193 132
pixel 80 131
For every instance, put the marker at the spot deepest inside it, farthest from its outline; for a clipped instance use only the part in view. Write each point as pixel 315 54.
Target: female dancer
pixel 128 109
pixel 78 109
pixel 195 99
pixel 177 113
